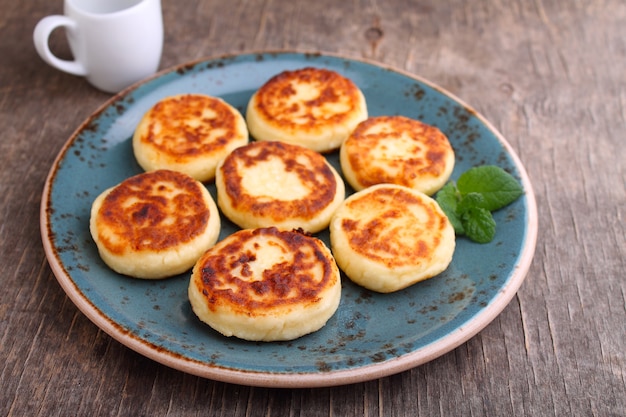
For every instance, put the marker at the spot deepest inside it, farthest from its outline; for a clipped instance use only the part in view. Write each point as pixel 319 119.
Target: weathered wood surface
pixel 550 75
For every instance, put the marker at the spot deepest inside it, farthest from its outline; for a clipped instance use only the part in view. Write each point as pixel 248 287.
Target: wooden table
pixel 551 76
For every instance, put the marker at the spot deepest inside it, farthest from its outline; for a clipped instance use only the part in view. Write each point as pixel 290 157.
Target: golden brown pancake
pixel 388 237
pixel 311 107
pixel 266 285
pixel 397 150
pixel 267 184
pixel 189 133
pixel 154 225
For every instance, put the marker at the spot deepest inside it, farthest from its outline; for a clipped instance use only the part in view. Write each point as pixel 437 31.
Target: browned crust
pixel 135 211
pixel 272 100
pixel 360 144
pixel 168 129
pixel 315 174
pixel 283 284
pixel 376 241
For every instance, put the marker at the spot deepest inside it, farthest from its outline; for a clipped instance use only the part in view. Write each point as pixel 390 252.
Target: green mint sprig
pixel 468 203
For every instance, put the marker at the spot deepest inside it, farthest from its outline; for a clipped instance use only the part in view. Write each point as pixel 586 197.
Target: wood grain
pixel 548 74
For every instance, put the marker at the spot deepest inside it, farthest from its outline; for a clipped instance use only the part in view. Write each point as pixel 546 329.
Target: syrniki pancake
pixel 154 225
pixel 397 150
pixel 266 285
pixel 312 107
pixel 189 133
pixel 388 237
pixel 267 184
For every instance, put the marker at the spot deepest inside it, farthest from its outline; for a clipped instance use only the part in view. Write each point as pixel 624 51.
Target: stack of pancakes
pixel 273 280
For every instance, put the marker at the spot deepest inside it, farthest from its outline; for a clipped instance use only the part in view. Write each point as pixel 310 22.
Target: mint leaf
pixel 479 224
pixel 469 201
pixel 448 198
pixel 479 191
pixel 498 187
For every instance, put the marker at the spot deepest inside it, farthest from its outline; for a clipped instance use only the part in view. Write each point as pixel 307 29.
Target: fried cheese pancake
pixel 189 133
pixel 267 184
pixel 311 107
pixel 397 150
pixel 388 237
pixel 266 285
pixel 154 225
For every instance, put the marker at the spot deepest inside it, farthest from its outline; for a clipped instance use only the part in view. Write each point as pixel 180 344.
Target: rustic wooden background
pixel 549 74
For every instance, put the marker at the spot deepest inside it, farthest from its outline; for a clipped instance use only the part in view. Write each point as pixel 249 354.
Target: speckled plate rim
pixel 298 380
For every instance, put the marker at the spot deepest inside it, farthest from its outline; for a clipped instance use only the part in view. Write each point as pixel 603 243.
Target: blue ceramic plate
pixel 371 335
